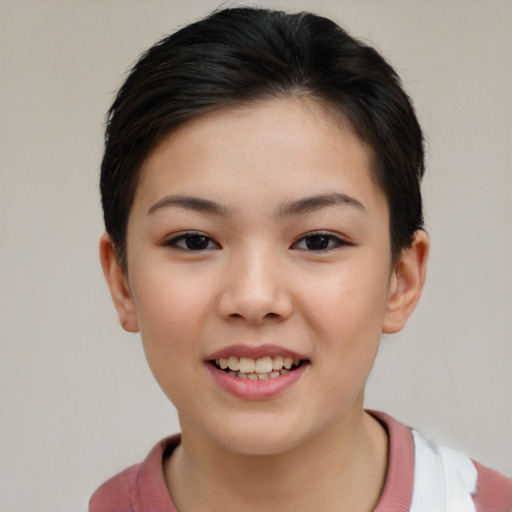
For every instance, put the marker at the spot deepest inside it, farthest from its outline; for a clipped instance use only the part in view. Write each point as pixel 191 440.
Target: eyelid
pixel 339 240
pixel 172 240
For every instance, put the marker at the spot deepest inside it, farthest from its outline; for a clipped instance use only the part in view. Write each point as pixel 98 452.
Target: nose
pixel 255 289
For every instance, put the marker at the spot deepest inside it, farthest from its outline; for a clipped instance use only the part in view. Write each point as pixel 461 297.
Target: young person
pixel 261 195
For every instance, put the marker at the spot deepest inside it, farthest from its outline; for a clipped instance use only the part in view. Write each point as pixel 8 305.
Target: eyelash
pixel 333 241
pixel 189 238
pixel 190 235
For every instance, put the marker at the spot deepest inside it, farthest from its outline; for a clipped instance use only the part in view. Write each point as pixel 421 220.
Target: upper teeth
pixel 261 365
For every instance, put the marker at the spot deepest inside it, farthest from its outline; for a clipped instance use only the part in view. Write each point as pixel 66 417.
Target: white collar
pixel 444 479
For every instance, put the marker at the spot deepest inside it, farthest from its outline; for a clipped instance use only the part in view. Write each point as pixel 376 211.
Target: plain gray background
pixel 77 401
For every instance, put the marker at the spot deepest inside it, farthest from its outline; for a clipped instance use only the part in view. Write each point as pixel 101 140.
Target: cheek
pixel 346 316
pixel 170 312
pixel 349 304
pixel 170 316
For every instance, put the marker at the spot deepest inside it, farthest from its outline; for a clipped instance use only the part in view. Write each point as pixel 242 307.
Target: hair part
pixel 240 56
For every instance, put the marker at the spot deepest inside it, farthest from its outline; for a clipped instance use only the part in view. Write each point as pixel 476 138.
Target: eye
pixel 318 242
pixel 192 241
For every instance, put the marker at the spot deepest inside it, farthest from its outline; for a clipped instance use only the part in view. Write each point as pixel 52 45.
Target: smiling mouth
pixel 262 368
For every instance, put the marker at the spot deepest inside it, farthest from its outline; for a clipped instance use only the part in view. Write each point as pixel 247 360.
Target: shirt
pixel 421 477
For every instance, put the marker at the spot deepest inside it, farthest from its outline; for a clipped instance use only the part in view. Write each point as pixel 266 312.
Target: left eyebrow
pixel 191 203
pixel 316 202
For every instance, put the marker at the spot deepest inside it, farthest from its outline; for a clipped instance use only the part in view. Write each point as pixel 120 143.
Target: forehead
pixel 292 143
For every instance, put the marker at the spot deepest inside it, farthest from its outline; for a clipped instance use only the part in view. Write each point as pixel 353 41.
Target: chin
pixel 259 446
pixel 261 440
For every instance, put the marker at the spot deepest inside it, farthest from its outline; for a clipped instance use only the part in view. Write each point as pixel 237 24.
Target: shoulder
pixel 493 490
pixel 449 477
pixel 424 475
pixel 116 493
pixel 139 488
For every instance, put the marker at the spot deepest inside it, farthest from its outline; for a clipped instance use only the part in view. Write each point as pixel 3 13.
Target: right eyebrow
pixel 191 203
pixel 316 202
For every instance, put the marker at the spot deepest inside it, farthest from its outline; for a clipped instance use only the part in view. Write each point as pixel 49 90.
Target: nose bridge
pixel 255 286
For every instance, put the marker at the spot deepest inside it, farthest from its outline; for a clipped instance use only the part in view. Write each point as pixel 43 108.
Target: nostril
pixel 253 307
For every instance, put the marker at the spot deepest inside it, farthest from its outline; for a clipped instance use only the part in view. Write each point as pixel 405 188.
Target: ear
pixel 406 283
pixel 118 283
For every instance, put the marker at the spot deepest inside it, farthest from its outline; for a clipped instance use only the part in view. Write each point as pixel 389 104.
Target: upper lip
pixel 255 352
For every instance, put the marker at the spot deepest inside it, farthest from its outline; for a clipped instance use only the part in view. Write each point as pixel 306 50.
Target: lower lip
pixel 256 389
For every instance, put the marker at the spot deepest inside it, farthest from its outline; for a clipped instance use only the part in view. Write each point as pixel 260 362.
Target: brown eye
pixel 318 242
pixel 193 242
pixel 196 242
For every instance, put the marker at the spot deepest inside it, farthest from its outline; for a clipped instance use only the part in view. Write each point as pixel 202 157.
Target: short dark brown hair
pixel 246 55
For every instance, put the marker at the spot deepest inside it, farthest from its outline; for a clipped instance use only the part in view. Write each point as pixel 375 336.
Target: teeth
pixel 262 368
pixel 234 364
pixel 263 365
pixel 247 365
pixel 277 363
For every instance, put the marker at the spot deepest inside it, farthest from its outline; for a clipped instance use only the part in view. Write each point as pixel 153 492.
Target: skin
pixel 258 281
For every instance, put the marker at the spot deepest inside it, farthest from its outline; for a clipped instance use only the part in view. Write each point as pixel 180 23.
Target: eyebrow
pixel 296 207
pixel 316 202
pixel 191 203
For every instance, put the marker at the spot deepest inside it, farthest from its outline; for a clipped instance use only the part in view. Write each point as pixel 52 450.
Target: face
pixel 260 273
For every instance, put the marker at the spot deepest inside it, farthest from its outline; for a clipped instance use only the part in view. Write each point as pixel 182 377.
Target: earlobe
pixel 118 283
pixel 406 283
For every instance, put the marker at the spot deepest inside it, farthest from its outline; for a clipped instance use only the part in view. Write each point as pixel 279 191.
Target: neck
pixel 341 469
